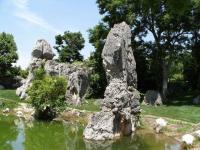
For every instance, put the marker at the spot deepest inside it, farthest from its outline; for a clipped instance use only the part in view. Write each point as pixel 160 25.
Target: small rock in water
pixel 188 139
pixel 19 114
pixel 160 124
pixel 7 110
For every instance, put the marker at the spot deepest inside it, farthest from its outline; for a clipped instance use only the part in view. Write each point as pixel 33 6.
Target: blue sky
pixel 29 20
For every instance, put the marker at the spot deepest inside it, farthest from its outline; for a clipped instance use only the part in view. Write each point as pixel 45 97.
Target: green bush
pixel 48 96
pixel 24 73
pixel 39 73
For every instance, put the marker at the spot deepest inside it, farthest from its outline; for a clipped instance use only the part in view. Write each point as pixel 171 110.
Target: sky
pixel 30 20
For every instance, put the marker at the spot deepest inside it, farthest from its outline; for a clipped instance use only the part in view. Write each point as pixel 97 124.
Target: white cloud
pixel 23 11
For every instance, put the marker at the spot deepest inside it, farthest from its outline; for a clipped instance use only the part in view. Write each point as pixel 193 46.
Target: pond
pixel 17 135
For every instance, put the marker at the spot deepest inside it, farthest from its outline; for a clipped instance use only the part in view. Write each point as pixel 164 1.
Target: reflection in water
pixel 8 133
pixel 16 135
pixel 142 141
pixel 18 143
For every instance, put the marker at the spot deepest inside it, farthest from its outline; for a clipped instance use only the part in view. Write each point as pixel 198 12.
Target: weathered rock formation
pixel 77 86
pixel 77 75
pixel 118 56
pixel 153 98
pixel 77 79
pixel 120 106
pixel 42 50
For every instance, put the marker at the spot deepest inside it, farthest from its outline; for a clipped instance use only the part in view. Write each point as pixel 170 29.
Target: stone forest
pixel 138 89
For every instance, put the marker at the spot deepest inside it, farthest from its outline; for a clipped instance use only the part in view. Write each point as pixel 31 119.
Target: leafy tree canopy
pixel 8 54
pixel 69 45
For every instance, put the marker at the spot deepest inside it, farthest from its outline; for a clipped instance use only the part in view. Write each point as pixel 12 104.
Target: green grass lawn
pixel 8 98
pixel 9 94
pixel 178 107
pixel 89 105
pixel 187 113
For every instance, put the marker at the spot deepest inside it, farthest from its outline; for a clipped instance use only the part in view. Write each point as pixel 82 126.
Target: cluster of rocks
pixel 25 111
pixel 120 108
pixel 42 55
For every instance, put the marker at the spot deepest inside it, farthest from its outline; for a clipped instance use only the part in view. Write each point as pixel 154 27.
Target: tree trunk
pixel 164 80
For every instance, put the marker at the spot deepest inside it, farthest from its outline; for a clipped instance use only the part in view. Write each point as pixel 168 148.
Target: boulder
pixel 42 50
pixel 47 51
pixel 101 120
pixel 118 58
pixel 2 87
pixel 38 49
pixel 196 100
pixel 120 108
pixel 77 86
pixel 153 98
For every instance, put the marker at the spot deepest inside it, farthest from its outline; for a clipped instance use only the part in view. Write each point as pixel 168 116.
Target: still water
pixel 17 135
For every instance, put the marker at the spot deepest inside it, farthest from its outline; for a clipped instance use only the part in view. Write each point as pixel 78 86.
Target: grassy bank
pixel 89 105
pixel 179 108
pixel 184 113
pixel 8 99
pixel 9 94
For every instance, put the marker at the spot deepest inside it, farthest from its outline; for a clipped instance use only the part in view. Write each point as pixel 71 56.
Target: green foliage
pixel 98 81
pixel 169 24
pixel 48 95
pixel 8 52
pixel 176 71
pixel 8 99
pixel 9 94
pixel 39 73
pixel 24 73
pixel 184 113
pixel 69 45
pixel 8 55
pixel 89 105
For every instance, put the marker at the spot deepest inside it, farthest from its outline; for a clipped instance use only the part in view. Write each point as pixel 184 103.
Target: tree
pixel 69 45
pixel 8 56
pixel 97 36
pixel 158 18
pixel 192 67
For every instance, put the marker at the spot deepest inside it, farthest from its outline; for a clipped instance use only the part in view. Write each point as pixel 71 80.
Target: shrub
pixel 48 96
pixel 24 73
pixel 39 73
